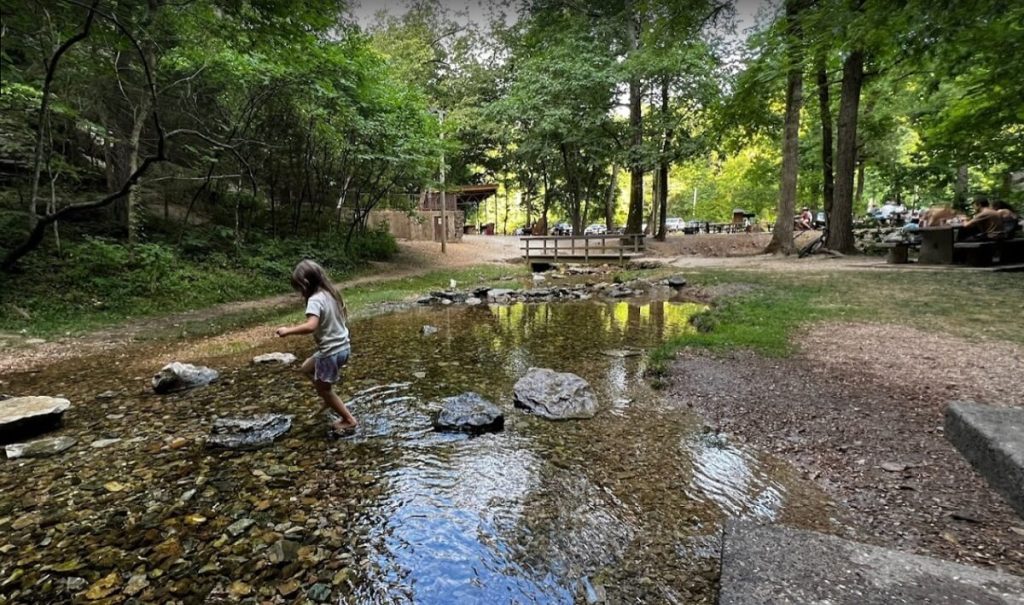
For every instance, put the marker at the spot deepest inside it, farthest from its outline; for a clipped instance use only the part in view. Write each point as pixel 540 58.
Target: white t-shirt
pixel 331 334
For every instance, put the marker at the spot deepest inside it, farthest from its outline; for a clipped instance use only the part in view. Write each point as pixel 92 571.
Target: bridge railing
pixel 582 247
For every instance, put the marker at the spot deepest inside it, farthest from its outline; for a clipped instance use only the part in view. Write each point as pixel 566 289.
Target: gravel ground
pixel 869 431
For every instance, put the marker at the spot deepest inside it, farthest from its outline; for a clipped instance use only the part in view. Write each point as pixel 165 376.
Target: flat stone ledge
pixel 773 564
pixel 992 440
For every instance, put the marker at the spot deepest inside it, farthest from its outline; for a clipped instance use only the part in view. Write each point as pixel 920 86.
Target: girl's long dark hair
pixel 308 278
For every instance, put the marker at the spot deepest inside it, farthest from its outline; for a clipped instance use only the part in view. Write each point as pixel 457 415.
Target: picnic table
pixel 937 244
pixel 940 246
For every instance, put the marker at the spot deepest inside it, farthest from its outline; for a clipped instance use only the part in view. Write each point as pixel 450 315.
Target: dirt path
pixel 414 259
pixel 860 411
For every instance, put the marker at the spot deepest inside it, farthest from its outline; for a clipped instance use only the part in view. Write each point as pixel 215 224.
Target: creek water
pixel 629 503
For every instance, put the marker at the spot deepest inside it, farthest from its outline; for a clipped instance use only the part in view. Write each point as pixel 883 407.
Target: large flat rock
pixel 248 433
pixel 992 440
pixel 25 417
pixel 773 564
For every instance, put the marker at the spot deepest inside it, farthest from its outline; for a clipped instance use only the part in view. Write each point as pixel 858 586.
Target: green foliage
pixel 99 281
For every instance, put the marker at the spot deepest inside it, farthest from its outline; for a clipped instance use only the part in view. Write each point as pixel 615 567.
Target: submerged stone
pixel 244 433
pixel 26 417
pixel 470 413
pixel 281 358
pixel 178 376
pixel 555 395
pixel 40 447
pixel 427 330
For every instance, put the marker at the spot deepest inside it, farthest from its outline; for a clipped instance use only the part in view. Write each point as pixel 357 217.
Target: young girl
pixel 326 318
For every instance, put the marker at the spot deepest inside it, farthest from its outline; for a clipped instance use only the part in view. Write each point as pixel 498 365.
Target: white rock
pixel 103 442
pixel 40 447
pixel 25 417
pixel 281 358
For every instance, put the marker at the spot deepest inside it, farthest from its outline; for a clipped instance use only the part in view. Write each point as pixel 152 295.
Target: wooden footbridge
pixel 581 248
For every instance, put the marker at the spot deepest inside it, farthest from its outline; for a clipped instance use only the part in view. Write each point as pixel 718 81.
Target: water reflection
pixel 732 479
pixel 416 516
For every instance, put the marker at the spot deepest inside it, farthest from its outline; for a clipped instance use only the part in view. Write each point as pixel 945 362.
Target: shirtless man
pixel 984 225
pixel 937 216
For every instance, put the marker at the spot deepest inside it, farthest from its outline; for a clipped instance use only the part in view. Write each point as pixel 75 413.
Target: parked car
pixel 595 229
pixel 527 230
pixel 673 225
pixel 692 227
pixel 562 229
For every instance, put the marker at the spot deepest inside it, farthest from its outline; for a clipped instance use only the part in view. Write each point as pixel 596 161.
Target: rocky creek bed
pixel 625 506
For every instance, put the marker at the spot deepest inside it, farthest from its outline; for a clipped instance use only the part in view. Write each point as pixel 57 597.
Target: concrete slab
pixel 992 440
pixel 773 564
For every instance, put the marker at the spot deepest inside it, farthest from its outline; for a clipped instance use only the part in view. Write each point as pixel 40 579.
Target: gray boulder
pixel 248 433
pixel 26 417
pixel 40 447
pixel 281 358
pixel 427 330
pixel 178 376
pixel 555 395
pixel 469 413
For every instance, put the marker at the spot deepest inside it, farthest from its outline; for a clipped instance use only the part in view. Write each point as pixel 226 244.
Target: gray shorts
pixel 327 368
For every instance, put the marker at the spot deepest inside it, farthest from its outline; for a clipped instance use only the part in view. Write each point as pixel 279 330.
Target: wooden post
pixel 586 249
pixel 556 248
pixel 527 251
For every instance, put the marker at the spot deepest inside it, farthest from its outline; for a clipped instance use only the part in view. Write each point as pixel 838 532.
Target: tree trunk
pixel 840 233
pixel 610 197
pixel 44 111
pixel 960 188
pixel 663 166
pixel 635 218
pixel 859 195
pixel 782 235
pixel 652 219
pixel 828 184
pixel 134 147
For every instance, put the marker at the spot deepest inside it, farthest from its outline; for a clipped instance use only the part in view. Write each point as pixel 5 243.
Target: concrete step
pixel 992 440
pixel 773 564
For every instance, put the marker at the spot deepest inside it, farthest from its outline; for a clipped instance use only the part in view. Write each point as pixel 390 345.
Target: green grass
pixel 96 282
pixel 966 304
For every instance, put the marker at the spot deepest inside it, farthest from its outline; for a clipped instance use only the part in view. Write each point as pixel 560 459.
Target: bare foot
pixel 342 426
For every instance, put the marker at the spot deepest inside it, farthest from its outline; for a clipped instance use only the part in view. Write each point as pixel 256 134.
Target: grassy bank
pixel 970 305
pixel 95 282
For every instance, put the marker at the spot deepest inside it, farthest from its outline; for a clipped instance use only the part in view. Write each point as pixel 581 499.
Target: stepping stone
pixel 469 413
pixel 178 376
pixel 774 564
pixel 248 433
pixel 281 358
pixel 26 417
pixel 49 446
pixel 992 440
pixel 555 395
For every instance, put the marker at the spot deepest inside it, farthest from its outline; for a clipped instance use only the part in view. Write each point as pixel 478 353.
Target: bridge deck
pixel 585 248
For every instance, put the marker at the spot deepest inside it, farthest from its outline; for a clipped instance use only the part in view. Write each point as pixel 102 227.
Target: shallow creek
pixel 629 503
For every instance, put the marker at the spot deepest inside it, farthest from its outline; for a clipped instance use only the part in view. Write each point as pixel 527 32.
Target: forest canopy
pixel 219 125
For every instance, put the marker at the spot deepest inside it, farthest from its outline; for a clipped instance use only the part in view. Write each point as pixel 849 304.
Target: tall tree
pixel 782 235
pixel 840 233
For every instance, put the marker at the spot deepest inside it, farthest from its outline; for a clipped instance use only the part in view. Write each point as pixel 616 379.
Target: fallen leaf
pixel 103 587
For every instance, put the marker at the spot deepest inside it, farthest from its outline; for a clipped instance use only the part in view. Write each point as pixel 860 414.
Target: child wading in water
pixel 326 318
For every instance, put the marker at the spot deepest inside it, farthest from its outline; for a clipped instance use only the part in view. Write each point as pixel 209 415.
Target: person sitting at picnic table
pixel 937 216
pixel 1010 219
pixel 986 224
pixel 805 220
